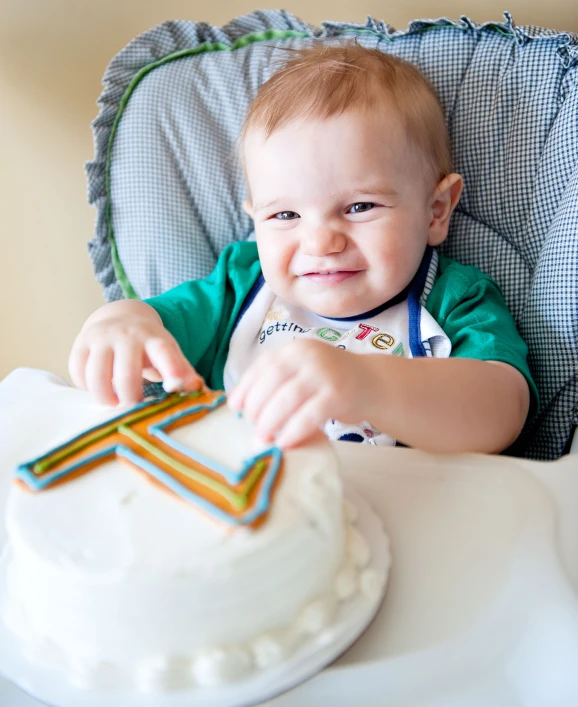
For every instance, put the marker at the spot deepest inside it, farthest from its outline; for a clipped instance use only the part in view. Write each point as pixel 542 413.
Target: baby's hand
pixel 120 344
pixel 289 393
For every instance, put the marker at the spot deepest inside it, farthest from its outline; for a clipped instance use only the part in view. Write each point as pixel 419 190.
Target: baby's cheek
pixel 276 265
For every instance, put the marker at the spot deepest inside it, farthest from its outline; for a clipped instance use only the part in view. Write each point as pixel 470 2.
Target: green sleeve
pixel 200 314
pixel 471 310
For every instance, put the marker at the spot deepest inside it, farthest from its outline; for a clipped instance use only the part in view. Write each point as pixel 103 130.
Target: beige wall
pixel 52 56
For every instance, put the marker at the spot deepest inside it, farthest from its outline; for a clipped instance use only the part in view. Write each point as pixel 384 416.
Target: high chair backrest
pixel 169 191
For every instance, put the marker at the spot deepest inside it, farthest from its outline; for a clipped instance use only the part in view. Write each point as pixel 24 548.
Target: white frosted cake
pixel 117 576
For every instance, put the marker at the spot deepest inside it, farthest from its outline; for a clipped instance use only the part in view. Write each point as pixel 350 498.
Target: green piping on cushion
pixel 244 41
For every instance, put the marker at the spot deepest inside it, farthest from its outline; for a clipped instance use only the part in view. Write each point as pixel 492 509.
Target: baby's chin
pixel 332 310
pixel 337 313
pixel 331 303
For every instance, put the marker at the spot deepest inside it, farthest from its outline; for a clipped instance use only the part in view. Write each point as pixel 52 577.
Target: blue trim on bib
pixel 414 305
pixel 253 292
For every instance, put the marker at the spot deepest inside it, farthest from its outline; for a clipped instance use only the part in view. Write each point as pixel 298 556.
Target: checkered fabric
pixel 168 189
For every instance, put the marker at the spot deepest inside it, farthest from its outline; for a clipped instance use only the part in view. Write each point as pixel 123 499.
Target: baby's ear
pixel 248 208
pixel 444 200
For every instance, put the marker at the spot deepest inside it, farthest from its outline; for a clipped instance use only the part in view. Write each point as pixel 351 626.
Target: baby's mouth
pixel 330 277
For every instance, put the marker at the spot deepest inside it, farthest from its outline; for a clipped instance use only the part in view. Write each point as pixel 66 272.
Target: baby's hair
pixel 326 80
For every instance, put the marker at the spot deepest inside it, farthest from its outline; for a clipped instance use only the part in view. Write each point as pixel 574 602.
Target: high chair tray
pixel 480 607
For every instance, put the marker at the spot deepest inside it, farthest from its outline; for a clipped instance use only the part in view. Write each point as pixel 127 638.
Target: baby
pixel 342 315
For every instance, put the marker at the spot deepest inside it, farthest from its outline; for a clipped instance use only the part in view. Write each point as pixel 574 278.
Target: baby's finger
pixel 77 364
pixel 168 359
pixel 250 379
pixel 98 375
pixel 127 368
pixel 151 374
pixel 236 398
pixel 304 423
pixel 277 411
pixel 273 373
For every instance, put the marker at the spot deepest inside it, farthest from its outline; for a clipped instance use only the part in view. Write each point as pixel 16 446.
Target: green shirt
pixel 467 304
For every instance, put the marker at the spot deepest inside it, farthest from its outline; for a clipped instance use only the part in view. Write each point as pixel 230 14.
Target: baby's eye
pixel 286 215
pixel 360 207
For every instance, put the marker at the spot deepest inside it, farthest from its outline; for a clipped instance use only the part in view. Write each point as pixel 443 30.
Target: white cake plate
pixel 353 617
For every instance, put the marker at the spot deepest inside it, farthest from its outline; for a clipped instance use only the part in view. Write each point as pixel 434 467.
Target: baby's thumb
pixel 174 369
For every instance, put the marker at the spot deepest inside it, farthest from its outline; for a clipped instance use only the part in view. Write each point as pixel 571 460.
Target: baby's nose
pixel 323 240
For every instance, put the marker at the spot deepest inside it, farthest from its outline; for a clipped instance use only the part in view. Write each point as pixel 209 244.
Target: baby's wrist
pixel 384 377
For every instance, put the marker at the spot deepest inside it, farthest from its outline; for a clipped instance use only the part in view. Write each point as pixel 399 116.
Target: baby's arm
pixel 441 405
pixel 449 405
pixel 120 344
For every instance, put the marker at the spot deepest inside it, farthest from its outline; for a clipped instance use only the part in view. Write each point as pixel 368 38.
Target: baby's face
pixel 342 211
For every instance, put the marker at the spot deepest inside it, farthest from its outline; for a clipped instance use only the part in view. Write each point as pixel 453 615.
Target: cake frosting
pixel 114 580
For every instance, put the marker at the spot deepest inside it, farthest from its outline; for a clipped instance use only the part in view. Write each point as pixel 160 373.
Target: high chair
pixel 169 192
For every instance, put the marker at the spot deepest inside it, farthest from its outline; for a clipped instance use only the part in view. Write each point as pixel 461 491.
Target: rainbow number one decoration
pixel 140 437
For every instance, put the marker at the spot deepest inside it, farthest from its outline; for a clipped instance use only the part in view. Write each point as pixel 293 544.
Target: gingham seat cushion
pixel 168 190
